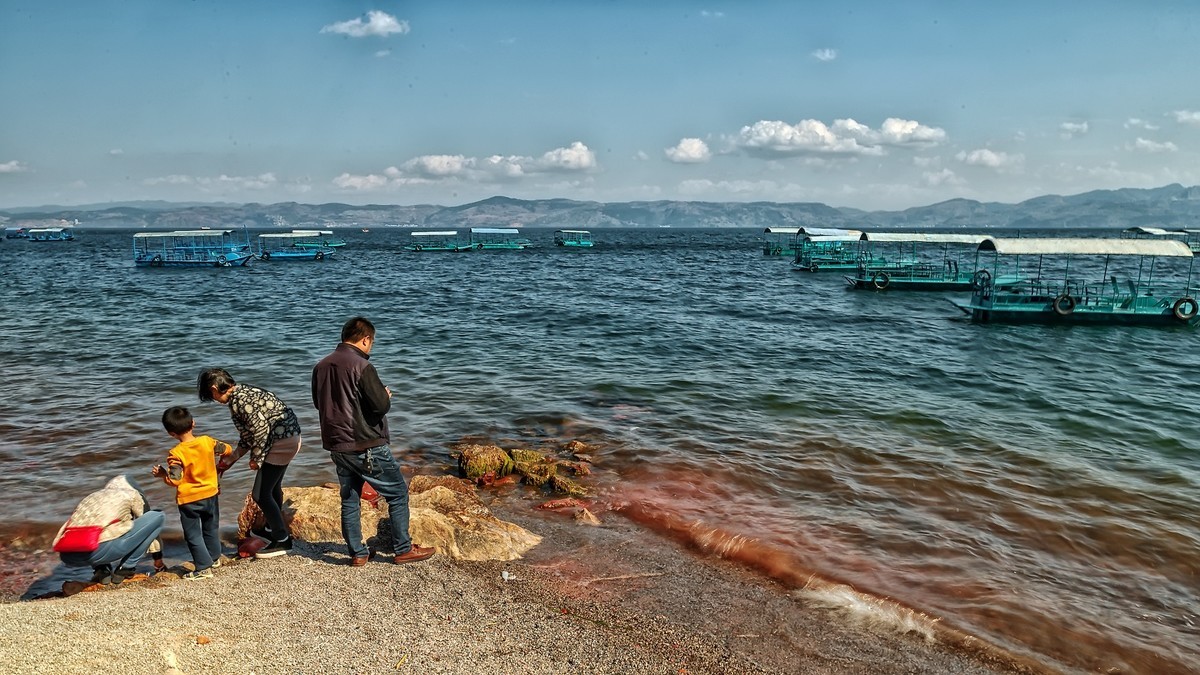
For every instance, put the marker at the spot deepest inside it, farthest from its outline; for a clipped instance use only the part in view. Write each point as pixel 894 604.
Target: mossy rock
pixel 528 456
pixel 536 473
pixel 567 486
pixel 476 460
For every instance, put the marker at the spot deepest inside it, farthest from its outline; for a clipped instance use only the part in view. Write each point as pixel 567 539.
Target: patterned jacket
pixel 260 419
pixel 119 500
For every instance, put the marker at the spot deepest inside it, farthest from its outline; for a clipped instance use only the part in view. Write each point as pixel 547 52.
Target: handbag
pixel 84 539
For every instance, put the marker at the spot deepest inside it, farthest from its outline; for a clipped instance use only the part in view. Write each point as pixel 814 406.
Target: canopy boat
pixel 1051 291
pixel 318 239
pixel 830 252
pixel 921 262
pixel 294 245
pixel 1189 237
pixel 785 241
pixel 497 239
pixel 441 240
pixel 16 233
pixel 190 248
pixel 50 234
pixel 573 238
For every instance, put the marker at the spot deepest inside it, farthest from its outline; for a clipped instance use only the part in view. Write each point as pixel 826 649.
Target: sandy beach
pixel 601 603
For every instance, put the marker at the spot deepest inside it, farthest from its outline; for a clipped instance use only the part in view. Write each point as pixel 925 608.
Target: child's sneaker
pixel 275 548
pixel 198 574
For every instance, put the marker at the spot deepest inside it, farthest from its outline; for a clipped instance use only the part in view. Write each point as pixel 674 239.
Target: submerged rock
pixel 475 460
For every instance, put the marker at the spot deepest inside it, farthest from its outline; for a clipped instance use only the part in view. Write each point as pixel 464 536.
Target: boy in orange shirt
pixel 192 469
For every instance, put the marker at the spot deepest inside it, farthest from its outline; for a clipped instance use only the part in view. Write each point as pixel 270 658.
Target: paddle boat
pixel 318 239
pixel 573 238
pixel 830 250
pixel 921 262
pixel 498 239
pixel 50 234
pixel 1125 291
pixel 294 245
pixel 190 248
pixel 434 241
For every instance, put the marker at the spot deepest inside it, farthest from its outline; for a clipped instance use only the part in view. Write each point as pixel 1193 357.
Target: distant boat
pixel 573 238
pixel 190 248
pixel 296 245
pixel 16 233
pixel 498 239
pixel 50 234
pixel 365 230
pixel 434 241
pixel 315 239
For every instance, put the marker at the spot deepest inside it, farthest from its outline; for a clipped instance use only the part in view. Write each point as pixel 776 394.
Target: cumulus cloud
pixel 1136 123
pixel 1069 130
pixel 426 169
pixel 1190 117
pixel 1145 145
pixel 940 178
pixel 990 159
pixel 13 167
pixel 378 24
pixel 843 137
pixel 689 151
pixel 825 54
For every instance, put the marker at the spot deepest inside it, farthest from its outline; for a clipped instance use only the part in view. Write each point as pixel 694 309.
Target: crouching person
pixel 110 530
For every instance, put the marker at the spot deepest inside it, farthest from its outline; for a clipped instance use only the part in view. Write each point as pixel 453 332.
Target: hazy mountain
pixel 1170 206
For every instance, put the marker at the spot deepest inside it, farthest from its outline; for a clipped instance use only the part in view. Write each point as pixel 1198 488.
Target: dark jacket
pixel 351 401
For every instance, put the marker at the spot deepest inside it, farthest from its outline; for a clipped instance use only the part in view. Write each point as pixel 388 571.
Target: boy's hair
pixel 177 420
pixel 357 328
pixel 213 377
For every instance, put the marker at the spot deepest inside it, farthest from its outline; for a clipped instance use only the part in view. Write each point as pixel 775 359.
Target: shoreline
pixel 589 600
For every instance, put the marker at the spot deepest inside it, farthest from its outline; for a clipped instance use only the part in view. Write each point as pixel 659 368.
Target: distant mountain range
pixel 1172 206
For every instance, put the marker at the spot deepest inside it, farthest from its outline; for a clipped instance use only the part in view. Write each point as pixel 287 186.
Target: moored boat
pixel 497 239
pixel 190 248
pixel 323 239
pixel 917 262
pixel 50 234
pixel 573 238
pixel 432 241
pixel 294 245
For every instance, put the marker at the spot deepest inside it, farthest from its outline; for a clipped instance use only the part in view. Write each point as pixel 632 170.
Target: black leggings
pixel 268 494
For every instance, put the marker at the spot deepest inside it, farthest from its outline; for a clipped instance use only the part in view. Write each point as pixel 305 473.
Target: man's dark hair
pixel 177 420
pixel 213 377
pixel 357 328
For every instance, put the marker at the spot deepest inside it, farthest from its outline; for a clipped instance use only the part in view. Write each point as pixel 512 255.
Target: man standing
pixel 353 403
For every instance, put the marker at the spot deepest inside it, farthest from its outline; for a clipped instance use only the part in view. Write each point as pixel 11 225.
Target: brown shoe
pixel 414 554
pixel 360 560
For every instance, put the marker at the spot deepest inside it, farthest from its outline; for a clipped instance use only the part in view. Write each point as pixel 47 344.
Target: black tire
pixel 1185 308
pixel 320 255
pixel 1064 305
pixel 881 280
pixel 266 255
pixel 814 268
pixel 221 260
pixel 157 261
pixel 981 280
pixel 417 247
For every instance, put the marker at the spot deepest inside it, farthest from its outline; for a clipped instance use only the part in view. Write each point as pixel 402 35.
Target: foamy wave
pixel 867 610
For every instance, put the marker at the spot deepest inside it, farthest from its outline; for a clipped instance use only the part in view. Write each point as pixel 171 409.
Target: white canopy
pixel 184 233
pixel 438 233
pixel 42 230
pixel 294 234
pixel 833 237
pixel 1156 231
pixel 1079 246
pixel 494 230
pixel 781 230
pixel 312 233
pixel 925 237
pixel 581 231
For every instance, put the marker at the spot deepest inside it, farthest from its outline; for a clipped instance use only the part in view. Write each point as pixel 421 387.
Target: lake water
pixel 1038 487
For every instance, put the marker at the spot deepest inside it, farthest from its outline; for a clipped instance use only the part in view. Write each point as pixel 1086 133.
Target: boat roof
pixel 781 230
pixel 294 234
pixel 184 233
pixel 926 237
pixel 834 237
pixel 436 233
pixel 1156 231
pixel 312 233
pixel 1081 246
pixel 828 232
pixel 575 231
pixel 47 229
pixel 495 230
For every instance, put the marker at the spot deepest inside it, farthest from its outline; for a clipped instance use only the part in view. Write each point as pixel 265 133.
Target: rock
pixel 565 503
pixel 531 456
pixel 576 447
pixel 536 473
pixel 585 517
pixel 476 460
pixel 447 515
pixel 203 639
pixel 567 486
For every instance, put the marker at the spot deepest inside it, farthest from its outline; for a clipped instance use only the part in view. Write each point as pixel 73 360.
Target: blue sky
pixel 874 105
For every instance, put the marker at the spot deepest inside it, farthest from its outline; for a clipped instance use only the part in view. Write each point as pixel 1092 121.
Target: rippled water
pixel 1036 486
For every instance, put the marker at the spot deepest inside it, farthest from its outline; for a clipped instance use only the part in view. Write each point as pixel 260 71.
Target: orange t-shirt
pixel 195 463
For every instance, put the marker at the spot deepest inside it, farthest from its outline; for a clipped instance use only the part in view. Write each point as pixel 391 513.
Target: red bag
pixel 84 539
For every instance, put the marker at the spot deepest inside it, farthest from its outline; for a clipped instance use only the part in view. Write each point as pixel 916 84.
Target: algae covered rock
pixel 475 460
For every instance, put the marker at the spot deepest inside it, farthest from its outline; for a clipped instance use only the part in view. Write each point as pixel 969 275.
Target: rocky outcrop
pixel 488 465
pixel 444 512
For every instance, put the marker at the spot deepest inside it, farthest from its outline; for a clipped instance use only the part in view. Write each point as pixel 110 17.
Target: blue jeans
pixel 125 550
pixel 378 468
pixel 201 520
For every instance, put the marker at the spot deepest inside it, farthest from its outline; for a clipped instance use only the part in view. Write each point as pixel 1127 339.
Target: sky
pixel 871 104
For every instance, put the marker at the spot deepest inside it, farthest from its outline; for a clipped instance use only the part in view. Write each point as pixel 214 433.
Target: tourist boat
pixel 839 251
pixel 497 239
pixel 436 241
pixel 1125 291
pixel 294 245
pixel 322 239
pixel 917 262
pixel 16 233
pixel 573 238
pixel 785 241
pixel 190 248
pixel 50 234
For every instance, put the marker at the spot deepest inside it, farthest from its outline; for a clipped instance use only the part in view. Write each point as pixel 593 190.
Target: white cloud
pixel 712 15
pixel 379 24
pixel 116 151
pixel 221 183
pixel 577 157
pixel 641 156
pixel 433 166
pixel 1069 130
pixel 689 151
pixel 429 169
pixel 1191 117
pixel 173 179
pixel 825 54
pixel 843 137
pixel 927 162
pixel 382 53
pixel 940 178
pixel 1136 123
pixel 991 159
pixel 13 167
pixel 1144 145
pixel 369 182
